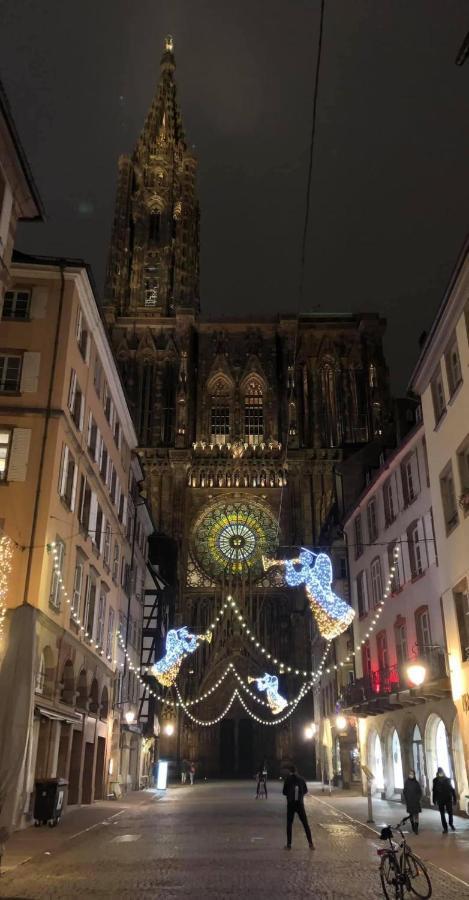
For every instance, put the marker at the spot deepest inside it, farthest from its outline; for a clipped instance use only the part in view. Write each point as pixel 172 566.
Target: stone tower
pixel 253 434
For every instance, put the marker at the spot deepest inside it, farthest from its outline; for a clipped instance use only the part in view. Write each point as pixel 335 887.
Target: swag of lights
pixel 207 723
pixel 6 553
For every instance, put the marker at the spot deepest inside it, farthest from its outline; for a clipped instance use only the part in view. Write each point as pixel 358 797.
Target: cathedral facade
pixel 250 432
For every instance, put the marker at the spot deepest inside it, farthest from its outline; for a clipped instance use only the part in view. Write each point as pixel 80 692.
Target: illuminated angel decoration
pixel 332 614
pixel 179 643
pixel 269 684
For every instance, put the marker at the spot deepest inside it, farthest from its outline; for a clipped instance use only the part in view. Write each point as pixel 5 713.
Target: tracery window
pixel 220 412
pixel 253 413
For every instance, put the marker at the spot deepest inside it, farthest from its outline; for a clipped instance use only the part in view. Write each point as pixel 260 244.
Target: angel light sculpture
pixel 332 614
pixel 179 643
pixel 269 683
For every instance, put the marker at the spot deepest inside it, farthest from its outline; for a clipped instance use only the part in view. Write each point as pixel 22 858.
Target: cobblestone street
pixel 211 840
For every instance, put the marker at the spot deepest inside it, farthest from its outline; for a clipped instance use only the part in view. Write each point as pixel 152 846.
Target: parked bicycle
pixel 401 871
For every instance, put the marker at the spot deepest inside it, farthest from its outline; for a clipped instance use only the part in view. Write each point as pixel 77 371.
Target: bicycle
pixel 401 871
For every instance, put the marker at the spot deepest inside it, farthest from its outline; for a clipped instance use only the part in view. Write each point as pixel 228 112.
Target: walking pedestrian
pixel 183 773
pixel 412 797
pixel 444 796
pixel 294 789
pixel 262 780
pixel 192 772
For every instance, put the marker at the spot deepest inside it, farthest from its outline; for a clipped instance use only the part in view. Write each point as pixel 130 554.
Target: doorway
pixel 74 772
pixel 245 749
pixel 99 771
pixel 87 791
pixel 227 748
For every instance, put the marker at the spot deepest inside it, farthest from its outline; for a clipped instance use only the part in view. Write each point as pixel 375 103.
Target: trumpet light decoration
pixel 269 684
pixel 179 643
pixel 332 614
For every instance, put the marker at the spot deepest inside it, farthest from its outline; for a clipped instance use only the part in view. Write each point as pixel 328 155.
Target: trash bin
pixel 49 801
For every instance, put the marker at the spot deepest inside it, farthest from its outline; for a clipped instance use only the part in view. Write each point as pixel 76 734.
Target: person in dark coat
pixel 412 797
pixel 444 796
pixel 294 789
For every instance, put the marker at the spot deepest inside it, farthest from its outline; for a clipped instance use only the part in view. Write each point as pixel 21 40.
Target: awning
pixel 68 718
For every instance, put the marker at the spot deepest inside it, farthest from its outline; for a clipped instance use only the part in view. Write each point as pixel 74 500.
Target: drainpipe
pixel 45 435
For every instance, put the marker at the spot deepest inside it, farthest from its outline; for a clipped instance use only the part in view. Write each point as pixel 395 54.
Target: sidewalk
pixel 449 852
pixel 30 842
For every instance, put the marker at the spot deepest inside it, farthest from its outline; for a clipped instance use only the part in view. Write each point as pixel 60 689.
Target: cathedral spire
pixel 154 257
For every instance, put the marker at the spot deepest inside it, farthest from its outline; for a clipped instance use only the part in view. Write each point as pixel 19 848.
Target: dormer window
pixel 253 413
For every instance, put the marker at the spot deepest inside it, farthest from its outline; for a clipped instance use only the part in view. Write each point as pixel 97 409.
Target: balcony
pixel 388 688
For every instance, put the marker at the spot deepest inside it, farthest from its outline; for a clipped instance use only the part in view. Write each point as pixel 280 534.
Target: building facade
pixel 68 488
pixel 246 430
pixel 393 563
pixel 441 380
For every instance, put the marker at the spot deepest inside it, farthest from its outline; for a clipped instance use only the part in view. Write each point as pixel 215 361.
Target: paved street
pixel 211 840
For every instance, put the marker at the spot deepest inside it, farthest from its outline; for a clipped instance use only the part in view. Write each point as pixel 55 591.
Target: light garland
pixel 332 614
pixel 280 718
pixel 6 554
pixel 208 723
pixel 52 548
pixel 269 684
pixel 179 643
pixel 231 668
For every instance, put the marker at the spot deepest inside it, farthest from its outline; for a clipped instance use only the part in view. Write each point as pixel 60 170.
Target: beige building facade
pixel 441 379
pixel 68 501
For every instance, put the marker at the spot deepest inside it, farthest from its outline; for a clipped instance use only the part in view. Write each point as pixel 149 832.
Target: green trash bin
pixel 49 801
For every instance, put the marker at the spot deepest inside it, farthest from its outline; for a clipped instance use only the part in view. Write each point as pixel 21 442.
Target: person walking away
pixel 183 773
pixel 444 796
pixel 294 789
pixel 412 797
pixel 191 772
pixel 262 780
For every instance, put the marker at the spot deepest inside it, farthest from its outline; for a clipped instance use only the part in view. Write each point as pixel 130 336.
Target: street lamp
pixel 169 729
pixel 129 716
pixel 341 723
pixel 416 673
pixel 310 731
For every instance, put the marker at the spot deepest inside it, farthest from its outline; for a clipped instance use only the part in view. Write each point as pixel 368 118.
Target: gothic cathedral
pixel 252 435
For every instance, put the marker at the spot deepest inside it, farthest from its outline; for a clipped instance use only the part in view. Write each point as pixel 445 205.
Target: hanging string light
pixel 6 554
pixel 269 684
pixel 208 723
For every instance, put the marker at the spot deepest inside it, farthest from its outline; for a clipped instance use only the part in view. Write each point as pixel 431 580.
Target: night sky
pixel 390 192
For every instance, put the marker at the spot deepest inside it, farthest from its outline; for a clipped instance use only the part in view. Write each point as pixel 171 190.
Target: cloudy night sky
pixel 390 190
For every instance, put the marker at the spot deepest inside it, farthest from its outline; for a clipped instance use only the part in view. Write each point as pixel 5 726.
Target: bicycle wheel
pixel 389 874
pixel 417 877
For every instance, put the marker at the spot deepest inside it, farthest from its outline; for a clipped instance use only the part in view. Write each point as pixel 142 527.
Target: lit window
pixel 220 413
pixel 5 443
pixel 253 413
pixel 16 304
pixel 10 373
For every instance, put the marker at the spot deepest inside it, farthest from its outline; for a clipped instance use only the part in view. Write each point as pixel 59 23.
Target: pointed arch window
pixel 253 412
pixel 220 412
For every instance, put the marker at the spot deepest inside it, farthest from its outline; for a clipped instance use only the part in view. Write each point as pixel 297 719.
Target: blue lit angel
pixel 179 643
pixel 332 614
pixel 269 683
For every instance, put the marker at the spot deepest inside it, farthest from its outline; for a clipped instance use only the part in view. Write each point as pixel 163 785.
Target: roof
pixel 440 313
pixel 6 113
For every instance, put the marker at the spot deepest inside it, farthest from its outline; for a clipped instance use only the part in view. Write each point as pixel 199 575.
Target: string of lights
pixel 207 723
pixel 6 553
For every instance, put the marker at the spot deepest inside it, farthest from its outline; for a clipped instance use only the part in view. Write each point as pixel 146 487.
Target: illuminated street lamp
pixel 310 731
pixel 341 723
pixel 129 716
pixel 169 729
pixel 416 673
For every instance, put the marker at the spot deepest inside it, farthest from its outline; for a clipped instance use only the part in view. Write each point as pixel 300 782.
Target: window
pixel 362 594
pixel 395 577
pixel 10 373
pixel 115 562
pixel 117 433
pixel 103 468
pixel 388 500
pixel 448 497
pixel 416 549
pixel 220 412
pixel 107 544
pixel 400 637
pixel 98 529
pixel 5 444
pixel 453 366
pixel 357 526
pixel 253 413
pixel 366 659
pixel 101 616
pixel 84 506
pixel 382 646
pixel 58 562
pixel 438 395
pixel 98 376
pixel 422 630
pixel 41 675
pixel 372 521
pixel 92 438
pixel 410 478
pixel 76 401
pixel 68 478
pixel 107 403
pixel 90 604
pixel 83 337
pixel 461 602
pixel 110 633
pixel 463 465
pixel 16 304
pixel 112 482
pixel 77 585
pixel 376 581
